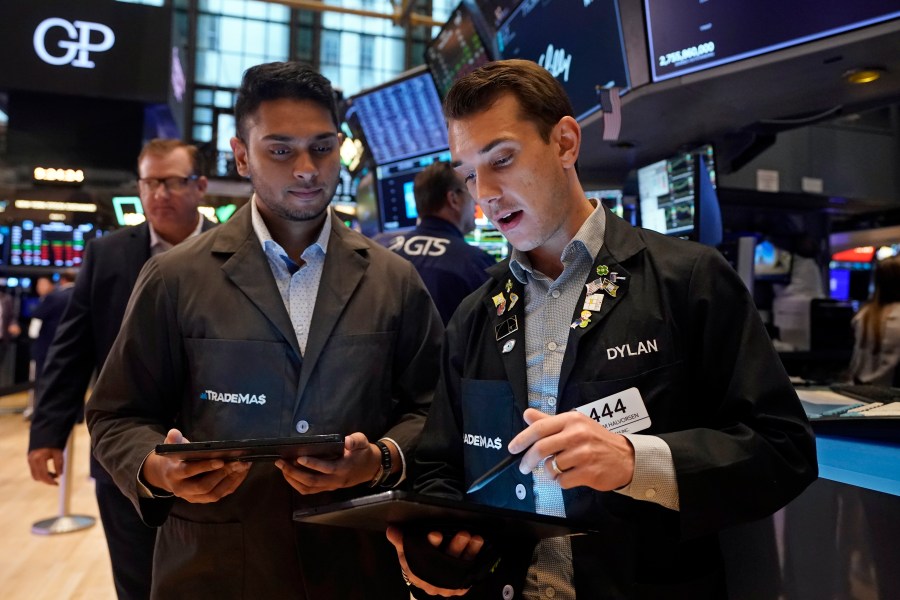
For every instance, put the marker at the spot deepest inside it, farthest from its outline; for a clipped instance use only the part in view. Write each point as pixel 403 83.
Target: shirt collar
pixel 588 239
pixel 156 242
pixel 267 243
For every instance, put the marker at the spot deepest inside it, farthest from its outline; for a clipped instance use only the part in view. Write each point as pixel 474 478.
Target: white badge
pixel 623 412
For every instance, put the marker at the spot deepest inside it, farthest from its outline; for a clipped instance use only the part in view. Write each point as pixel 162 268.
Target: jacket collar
pixel 620 244
pixel 248 268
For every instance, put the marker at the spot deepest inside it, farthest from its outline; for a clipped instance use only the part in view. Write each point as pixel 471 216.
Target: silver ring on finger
pixel 555 466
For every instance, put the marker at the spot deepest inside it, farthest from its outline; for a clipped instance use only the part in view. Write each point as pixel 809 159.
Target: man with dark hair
pixel 171 185
pixel 630 369
pixel 281 322
pixel 450 268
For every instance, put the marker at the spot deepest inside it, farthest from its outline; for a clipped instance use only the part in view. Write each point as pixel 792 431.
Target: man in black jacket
pixel 171 186
pixel 631 369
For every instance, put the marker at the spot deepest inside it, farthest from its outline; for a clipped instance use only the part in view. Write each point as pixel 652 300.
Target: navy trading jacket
pixel 450 268
pixel 683 330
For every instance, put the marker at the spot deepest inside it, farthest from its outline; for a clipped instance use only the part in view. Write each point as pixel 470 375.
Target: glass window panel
pixel 230 70
pixel 255 10
pixel 331 47
pixel 225 131
pixel 233 7
pixel 210 5
pixel 223 99
pixel 202 133
pixel 203 115
pixel 255 37
pixel 207 31
pixel 203 96
pixel 277 41
pixel 207 67
pixel 278 12
pixel 232 34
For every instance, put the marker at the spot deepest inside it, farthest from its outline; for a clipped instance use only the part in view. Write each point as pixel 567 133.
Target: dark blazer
pixel 208 347
pixel 86 333
pixel 683 330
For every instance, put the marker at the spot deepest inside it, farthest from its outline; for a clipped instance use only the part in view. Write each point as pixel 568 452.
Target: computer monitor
pixel 456 50
pixel 677 196
pixel 402 118
pixel 51 244
pixel 496 11
pixel 690 36
pixel 849 279
pixel 579 42
pixel 396 202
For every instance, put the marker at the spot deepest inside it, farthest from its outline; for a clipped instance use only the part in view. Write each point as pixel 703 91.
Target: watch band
pixel 384 471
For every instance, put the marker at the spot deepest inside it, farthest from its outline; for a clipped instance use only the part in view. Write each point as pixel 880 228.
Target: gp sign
pixel 78 47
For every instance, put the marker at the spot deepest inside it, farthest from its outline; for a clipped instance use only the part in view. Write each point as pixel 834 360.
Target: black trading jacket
pixel 683 330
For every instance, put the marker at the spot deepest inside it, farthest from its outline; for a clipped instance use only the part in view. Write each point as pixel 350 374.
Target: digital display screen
pixel 456 51
pixel 93 48
pixel 667 192
pixel 691 36
pixel 48 244
pixel 396 201
pixel 496 11
pixel 579 43
pixel 402 119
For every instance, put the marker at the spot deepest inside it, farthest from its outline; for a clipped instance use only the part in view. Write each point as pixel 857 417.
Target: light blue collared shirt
pixel 298 285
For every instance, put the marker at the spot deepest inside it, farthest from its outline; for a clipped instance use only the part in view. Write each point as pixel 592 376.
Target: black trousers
pixel 130 543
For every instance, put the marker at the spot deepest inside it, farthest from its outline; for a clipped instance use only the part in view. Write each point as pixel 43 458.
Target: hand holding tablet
pixel 263 449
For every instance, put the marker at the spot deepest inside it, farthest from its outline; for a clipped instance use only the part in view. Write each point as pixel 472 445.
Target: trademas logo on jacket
pixel 482 442
pixel 233 398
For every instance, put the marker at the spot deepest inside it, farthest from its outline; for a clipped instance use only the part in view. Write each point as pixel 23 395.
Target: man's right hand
pixel 38 460
pixel 199 481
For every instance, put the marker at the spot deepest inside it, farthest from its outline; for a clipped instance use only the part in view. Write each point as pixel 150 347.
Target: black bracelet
pixel 386 464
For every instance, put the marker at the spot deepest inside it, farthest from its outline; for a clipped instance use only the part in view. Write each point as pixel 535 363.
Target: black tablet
pixel 322 446
pixel 395 507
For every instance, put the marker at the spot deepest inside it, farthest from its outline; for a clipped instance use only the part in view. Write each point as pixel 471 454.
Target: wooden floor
pixel 53 567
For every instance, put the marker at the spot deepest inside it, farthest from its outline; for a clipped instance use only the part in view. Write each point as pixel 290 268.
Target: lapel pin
pixel 500 303
pixel 594 302
pixel 508 285
pixel 609 287
pixel 593 286
pixel 513 298
pixel 614 277
pixel 602 270
pixel 506 328
pixel 583 320
pixel 508 346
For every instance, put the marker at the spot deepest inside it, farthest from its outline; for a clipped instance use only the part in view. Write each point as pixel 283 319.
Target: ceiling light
pixel 863 75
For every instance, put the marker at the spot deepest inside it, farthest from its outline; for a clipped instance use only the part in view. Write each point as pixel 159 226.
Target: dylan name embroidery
pixel 627 350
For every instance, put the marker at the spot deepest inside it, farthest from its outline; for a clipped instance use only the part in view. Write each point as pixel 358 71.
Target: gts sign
pixel 78 46
pixel 420 245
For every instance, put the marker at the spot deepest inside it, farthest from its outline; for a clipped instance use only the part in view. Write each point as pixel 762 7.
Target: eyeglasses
pixel 172 184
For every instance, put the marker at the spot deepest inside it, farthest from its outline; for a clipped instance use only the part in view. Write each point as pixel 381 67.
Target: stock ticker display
pixel 401 119
pixel 456 51
pixel 691 36
pixel 54 244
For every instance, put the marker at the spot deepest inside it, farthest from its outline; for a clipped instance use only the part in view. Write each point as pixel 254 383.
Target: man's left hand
pixel 359 464
pixel 585 452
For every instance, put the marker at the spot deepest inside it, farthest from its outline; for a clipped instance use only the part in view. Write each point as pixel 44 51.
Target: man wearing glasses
pixel 171 186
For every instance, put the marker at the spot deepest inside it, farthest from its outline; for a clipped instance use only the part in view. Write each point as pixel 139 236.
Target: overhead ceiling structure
pixel 740 105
